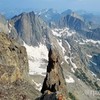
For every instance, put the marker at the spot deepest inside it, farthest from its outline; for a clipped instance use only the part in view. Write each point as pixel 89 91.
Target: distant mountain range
pixel 86 15
pixel 81 23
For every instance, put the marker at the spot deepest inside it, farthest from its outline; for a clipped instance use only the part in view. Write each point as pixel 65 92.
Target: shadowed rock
pixel 54 81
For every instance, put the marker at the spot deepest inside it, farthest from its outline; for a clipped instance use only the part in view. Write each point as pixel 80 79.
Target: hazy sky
pixel 60 5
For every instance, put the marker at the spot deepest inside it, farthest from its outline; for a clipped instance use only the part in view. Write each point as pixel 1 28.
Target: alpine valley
pixel 46 55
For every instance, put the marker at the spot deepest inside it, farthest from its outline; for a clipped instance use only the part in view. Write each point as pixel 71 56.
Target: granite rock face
pixel 54 81
pixel 3 24
pixel 30 28
pixel 73 21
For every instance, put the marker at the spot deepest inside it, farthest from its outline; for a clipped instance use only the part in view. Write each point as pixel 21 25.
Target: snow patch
pixel 60 44
pixel 62 32
pixel 89 41
pixel 73 64
pixel 36 69
pixel 36 55
pixel 89 56
pixel 9 31
pixel 40 13
pixel 56 33
pixel 72 69
pixel 93 74
pixel 10 27
pixel 81 43
pixel 93 63
pixel 46 16
pixel 38 85
pixel 66 59
pixel 62 63
pixel 98 79
pixel 69 80
pixel 68 45
pixel 92 41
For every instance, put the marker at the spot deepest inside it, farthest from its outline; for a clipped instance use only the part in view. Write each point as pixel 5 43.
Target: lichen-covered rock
pixel 54 80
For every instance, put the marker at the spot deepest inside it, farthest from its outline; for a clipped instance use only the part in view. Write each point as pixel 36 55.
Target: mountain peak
pixel 30 27
pixel 67 12
pixel 74 14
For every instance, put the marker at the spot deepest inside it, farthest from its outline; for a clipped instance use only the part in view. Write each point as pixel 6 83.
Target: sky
pixel 59 5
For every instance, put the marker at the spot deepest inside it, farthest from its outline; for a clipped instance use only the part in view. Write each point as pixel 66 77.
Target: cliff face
pixel 72 21
pixel 31 29
pixel 13 59
pixel 14 71
pixel 3 24
pixel 54 81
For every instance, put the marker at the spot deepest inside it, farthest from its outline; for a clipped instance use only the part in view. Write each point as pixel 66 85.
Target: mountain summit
pixel 30 28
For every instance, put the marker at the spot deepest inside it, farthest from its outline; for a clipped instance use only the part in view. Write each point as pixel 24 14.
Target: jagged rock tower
pixel 54 81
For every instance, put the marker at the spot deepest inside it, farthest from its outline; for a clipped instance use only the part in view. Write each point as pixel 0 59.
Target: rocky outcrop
pixel 3 24
pixel 14 78
pixel 13 59
pixel 73 21
pixel 54 82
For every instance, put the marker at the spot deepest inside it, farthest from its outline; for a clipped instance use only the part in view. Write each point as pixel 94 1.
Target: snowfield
pixel 90 56
pixel 68 45
pixel 62 32
pixel 66 59
pixel 69 80
pixel 36 57
pixel 56 33
pixel 61 45
pixel 92 41
pixel 89 41
pixel 72 69
pixel 73 64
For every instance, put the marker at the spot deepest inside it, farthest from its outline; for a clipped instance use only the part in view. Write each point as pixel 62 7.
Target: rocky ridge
pixel 3 24
pixel 54 81
pixel 14 79
pixel 74 21
pixel 30 28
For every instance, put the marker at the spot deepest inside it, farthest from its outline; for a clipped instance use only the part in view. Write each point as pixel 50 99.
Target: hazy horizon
pixel 59 5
